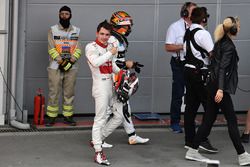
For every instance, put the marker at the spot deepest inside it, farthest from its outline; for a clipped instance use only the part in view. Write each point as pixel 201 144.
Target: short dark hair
pixel 184 9
pixel 65 8
pixel 105 25
pixel 199 15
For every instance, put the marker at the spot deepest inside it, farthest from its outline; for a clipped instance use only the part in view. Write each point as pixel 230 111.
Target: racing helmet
pixel 121 22
pixel 126 85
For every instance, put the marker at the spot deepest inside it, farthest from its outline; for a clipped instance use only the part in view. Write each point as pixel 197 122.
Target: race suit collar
pixel 101 44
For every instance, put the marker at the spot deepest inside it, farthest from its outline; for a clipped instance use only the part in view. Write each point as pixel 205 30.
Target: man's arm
pixel 78 50
pixel 128 64
pixel 205 41
pixel 77 53
pixel 173 47
pixel 170 42
pixel 51 48
pixel 94 58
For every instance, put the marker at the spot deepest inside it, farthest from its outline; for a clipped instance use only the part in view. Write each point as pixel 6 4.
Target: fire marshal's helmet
pixel 121 22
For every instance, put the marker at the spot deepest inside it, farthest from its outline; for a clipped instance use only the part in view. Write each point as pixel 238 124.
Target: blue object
pixel 176 128
pixel 147 116
pixel 178 87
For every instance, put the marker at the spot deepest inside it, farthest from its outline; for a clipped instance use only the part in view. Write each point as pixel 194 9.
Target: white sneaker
pixel 137 140
pixel 106 145
pixel 101 159
pixel 187 147
pixel 194 155
pixel 244 159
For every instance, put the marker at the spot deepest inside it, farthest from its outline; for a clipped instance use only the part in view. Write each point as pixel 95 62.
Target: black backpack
pixel 189 57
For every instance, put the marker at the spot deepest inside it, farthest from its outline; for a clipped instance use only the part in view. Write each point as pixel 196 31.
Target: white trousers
pixel 102 93
pixel 129 127
pixel 118 119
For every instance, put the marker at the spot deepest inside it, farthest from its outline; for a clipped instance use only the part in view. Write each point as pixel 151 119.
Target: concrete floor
pixel 71 149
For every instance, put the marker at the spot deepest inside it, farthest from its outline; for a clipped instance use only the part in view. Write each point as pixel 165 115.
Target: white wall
pixel 3 54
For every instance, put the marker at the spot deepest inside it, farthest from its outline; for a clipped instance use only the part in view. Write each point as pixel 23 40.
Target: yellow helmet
pixel 121 18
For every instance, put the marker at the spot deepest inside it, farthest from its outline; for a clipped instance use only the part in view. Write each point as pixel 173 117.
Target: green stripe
pixel 53 53
pixel 67 66
pixel 51 114
pixel 67 107
pixel 77 53
pixel 67 113
pixel 53 109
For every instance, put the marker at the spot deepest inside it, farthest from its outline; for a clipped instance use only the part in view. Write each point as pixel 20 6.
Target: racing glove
pixel 121 64
pixel 66 65
pixel 137 66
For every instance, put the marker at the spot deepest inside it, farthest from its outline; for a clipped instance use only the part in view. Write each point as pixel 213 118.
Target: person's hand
pixel 129 64
pixel 219 95
pixel 120 64
pixel 113 50
pixel 66 65
pixel 59 60
pixel 72 59
pixel 137 66
pixel 180 46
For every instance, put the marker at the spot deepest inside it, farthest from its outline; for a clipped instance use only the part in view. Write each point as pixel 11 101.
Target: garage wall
pixel 151 20
pixel 4 6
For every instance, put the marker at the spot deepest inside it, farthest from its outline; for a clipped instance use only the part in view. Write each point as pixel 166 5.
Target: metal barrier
pixel 3 32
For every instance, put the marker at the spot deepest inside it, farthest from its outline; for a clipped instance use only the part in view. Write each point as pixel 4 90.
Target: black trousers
pixel 178 87
pixel 195 95
pixel 227 108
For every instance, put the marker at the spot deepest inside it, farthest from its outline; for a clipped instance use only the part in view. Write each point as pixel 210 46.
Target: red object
pixel 41 122
pixel 39 104
pixel 106 68
pixel 120 78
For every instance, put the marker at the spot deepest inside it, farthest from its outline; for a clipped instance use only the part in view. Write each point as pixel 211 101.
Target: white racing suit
pixel 117 107
pixel 101 64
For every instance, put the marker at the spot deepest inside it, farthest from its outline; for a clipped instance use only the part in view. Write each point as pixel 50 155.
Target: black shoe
pixel 69 121
pixel 207 147
pixel 50 121
pixel 188 145
pixel 244 138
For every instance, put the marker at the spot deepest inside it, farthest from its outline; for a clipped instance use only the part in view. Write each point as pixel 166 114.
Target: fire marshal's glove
pixel 66 65
pixel 137 66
